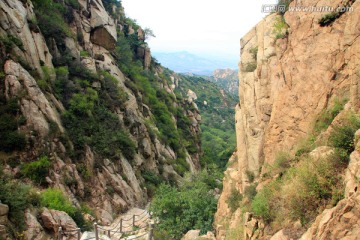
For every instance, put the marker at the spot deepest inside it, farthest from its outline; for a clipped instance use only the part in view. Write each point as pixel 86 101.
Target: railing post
pixel 133 220
pixel 60 233
pixel 121 225
pixel 151 228
pixel 78 234
pixel 96 231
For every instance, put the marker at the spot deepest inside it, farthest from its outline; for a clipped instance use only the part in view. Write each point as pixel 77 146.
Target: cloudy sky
pixel 203 27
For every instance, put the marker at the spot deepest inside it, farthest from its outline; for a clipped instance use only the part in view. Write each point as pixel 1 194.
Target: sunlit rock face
pixel 287 77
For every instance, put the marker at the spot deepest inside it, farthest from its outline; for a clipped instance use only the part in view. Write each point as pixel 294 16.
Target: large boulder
pixel 53 219
pixel 103 27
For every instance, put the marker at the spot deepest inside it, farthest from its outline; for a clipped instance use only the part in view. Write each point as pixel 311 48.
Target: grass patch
pixel 280 27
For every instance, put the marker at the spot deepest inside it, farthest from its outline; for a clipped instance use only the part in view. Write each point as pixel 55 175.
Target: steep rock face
pixel 14 17
pixel 292 81
pixel 36 108
pixel 287 77
pixel 109 186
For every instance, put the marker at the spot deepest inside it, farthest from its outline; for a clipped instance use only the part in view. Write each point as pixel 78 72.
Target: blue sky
pixel 209 28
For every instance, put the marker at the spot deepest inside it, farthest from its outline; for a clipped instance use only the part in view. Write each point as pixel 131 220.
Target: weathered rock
pixel 321 152
pixel 4 210
pixel 89 63
pixel 191 96
pixel 103 28
pixel 195 234
pixel 286 82
pixel 340 222
pixel 3 232
pixel 35 107
pixel 14 20
pixel 53 219
pixel 352 172
pixel 34 230
pixel 102 37
pixel 280 235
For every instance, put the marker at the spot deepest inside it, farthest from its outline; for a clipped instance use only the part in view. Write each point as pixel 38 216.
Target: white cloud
pixel 208 27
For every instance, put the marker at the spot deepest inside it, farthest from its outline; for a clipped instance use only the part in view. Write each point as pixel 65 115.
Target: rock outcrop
pixel 288 75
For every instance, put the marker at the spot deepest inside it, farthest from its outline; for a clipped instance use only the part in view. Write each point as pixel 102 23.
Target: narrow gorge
pixel 94 131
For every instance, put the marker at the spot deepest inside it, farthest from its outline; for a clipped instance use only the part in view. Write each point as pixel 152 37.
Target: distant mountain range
pixel 185 62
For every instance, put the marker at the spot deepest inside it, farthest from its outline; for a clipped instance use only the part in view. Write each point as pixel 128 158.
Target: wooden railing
pixel 120 229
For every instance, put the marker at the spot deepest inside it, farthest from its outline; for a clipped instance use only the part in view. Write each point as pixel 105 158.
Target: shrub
pixel 254 52
pixel 10 138
pixel 250 191
pixel 280 27
pixel 83 103
pixel 18 197
pixel 261 205
pixel 250 176
pixel 282 161
pixel 329 18
pixel 326 117
pixel 343 136
pixel 250 67
pixel 37 170
pixel 234 199
pixel 54 199
pixel 179 210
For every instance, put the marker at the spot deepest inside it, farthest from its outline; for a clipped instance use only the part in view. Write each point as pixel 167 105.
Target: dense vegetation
pixel 218 122
pixel 192 205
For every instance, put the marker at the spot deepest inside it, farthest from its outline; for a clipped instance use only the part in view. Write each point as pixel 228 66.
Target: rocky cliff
pixel 91 103
pixel 293 68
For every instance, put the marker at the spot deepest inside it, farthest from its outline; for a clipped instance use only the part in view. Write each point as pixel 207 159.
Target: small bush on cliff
pixel 280 27
pixel 234 199
pixel 329 18
pixel 326 117
pixel 54 199
pixel 250 67
pixel 37 170
pixel 10 119
pixel 342 136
